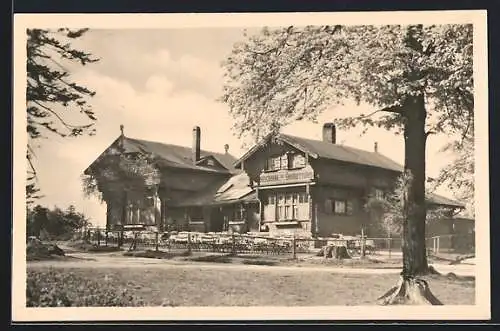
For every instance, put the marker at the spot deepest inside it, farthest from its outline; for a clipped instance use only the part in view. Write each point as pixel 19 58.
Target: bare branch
pixel 67 125
pixel 396 108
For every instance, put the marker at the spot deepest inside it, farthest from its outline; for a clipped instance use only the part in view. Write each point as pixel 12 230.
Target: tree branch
pixel 428 133
pixel 67 125
pixel 395 108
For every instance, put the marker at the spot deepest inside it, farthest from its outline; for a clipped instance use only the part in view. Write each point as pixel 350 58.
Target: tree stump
pixel 327 251
pixel 409 291
pixel 341 253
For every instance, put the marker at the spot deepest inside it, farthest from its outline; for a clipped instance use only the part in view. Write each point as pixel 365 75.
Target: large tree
pixel 418 80
pixel 54 103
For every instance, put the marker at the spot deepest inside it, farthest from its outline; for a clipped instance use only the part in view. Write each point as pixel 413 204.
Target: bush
pixel 37 250
pixel 59 289
pixel 85 246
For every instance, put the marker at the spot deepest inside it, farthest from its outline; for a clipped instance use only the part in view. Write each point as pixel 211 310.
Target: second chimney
pixel 375 147
pixel 329 133
pixel 196 150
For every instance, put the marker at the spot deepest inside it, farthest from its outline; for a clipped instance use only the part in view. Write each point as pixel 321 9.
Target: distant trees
pixel 458 175
pixel 388 210
pixel 54 103
pixel 54 223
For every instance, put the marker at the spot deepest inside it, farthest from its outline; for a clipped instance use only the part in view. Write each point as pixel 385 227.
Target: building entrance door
pixel 216 220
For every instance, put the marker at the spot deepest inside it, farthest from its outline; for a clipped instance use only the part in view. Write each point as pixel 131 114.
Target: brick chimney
pixel 196 150
pixel 226 148
pixel 329 133
pixel 375 147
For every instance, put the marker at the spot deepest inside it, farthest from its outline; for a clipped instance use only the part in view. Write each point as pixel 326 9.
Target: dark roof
pixel 327 150
pixel 234 189
pixel 343 153
pixel 442 201
pixel 178 156
pixel 322 149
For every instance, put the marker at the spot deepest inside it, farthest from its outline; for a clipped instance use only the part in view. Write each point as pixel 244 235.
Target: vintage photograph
pixel 260 163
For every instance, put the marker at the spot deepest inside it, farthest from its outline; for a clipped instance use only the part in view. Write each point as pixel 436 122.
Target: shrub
pixel 52 288
pixel 37 250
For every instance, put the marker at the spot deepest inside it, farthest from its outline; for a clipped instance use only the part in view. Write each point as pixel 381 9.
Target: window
pixel 276 163
pixel 303 198
pixel 284 161
pixel 340 207
pixel 287 206
pixel 281 206
pixel 196 214
pixel 297 161
pixel 379 194
pixel 239 213
pixel 210 162
pixel 295 206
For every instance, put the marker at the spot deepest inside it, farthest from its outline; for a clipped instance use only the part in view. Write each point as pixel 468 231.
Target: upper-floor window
pixel 297 161
pixel 285 161
pixel 379 194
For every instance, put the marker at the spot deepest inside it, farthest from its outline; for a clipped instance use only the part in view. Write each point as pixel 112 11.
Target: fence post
pixel 389 240
pixel 98 237
pixel 363 253
pixel 233 244
pixel 106 239
pixel 120 239
pixel 437 251
pixel 189 242
pixel 157 242
pixel 294 247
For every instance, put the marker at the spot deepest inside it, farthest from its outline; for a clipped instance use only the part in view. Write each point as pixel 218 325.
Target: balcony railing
pixel 286 176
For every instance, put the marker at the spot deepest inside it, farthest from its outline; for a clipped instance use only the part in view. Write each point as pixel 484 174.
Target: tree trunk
pixel 413 239
pixel 410 289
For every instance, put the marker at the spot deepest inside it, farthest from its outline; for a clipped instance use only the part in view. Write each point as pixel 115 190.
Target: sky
pixel 159 84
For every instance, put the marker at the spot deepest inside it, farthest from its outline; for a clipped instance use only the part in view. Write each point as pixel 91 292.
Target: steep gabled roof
pixel 343 153
pixel 177 156
pixel 326 150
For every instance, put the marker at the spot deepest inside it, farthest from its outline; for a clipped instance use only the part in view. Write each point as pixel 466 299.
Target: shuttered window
pixel 286 207
pixel 297 161
pixel 338 206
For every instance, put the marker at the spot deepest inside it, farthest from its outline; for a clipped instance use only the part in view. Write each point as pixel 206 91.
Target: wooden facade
pixel 317 188
pixel 284 184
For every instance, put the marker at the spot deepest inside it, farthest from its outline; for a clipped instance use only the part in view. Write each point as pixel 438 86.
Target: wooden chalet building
pixel 283 184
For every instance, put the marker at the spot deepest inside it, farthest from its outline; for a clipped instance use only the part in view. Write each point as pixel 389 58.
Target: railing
pixel 257 243
pixel 286 176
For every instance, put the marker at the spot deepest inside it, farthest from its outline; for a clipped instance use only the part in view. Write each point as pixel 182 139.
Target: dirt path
pixel 115 260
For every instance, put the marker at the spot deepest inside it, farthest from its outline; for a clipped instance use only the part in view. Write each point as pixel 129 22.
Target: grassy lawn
pixel 179 286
